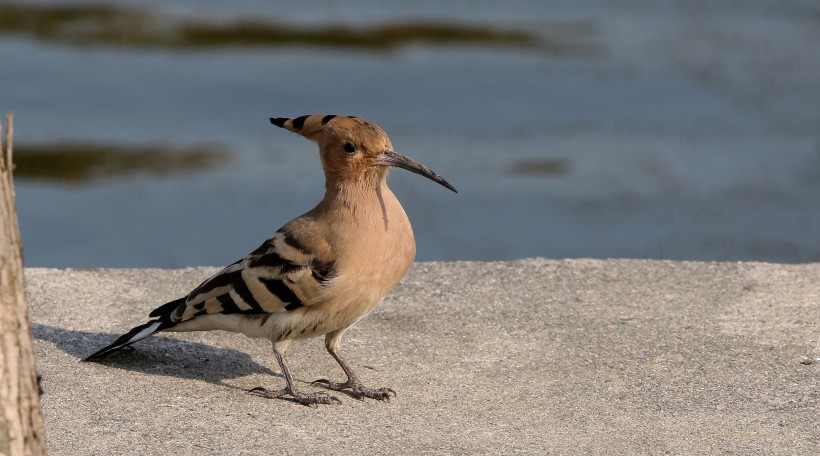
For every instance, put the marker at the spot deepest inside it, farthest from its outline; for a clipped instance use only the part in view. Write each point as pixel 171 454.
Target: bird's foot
pixel 309 399
pixel 358 390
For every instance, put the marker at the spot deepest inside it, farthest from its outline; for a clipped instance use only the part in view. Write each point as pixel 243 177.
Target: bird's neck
pixel 370 230
pixel 349 191
pixel 365 205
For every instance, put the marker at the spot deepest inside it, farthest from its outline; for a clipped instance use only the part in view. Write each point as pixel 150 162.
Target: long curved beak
pixel 392 158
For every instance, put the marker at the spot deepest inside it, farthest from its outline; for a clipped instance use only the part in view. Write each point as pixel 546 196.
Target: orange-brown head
pixel 353 148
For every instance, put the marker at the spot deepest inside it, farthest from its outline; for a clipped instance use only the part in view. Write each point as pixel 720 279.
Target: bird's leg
pixel 353 383
pixel 311 399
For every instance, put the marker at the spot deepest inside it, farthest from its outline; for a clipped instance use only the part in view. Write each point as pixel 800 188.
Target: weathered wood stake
pixel 21 420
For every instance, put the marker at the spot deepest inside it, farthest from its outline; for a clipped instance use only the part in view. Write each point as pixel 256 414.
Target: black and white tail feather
pixel 142 331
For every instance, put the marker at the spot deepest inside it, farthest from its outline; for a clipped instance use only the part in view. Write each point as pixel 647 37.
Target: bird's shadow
pixel 157 355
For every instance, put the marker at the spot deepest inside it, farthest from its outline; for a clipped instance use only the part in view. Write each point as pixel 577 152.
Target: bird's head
pixel 352 147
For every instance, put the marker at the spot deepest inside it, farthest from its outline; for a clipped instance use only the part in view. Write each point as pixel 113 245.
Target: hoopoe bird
pixel 321 272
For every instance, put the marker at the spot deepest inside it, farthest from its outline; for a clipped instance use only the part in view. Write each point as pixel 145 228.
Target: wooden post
pixel 21 421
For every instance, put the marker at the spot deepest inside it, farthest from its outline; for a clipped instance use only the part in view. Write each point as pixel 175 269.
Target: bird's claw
pixel 309 399
pixel 263 392
pixel 357 390
pixel 380 394
pixel 313 399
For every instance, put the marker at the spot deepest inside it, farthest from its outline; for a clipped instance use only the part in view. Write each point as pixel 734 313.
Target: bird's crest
pixel 303 125
pixel 309 125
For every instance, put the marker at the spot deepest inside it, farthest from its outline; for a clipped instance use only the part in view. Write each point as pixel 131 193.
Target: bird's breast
pixel 375 251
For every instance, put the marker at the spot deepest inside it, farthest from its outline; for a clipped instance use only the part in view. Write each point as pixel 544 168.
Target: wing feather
pixel 282 275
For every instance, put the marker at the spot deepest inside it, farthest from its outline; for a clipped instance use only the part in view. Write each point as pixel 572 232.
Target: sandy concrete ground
pixel 532 356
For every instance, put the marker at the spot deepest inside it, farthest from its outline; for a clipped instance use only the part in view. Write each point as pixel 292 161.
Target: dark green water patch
pixel 75 163
pixel 254 33
pixel 108 25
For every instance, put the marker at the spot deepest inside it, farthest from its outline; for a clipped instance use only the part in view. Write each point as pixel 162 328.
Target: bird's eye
pixel 349 148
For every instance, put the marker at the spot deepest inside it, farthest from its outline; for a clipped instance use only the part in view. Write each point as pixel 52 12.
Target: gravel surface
pixel 533 356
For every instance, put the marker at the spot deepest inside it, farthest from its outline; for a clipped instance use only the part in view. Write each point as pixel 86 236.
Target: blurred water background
pixel 674 129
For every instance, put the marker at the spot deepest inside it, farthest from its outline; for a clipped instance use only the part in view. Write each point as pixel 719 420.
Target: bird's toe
pixel 313 399
pixel 310 399
pixel 335 386
pixel 357 390
pixel 263 392
pixel 381 394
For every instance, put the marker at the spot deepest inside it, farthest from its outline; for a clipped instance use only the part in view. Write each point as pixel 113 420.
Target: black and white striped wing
pixel 280 276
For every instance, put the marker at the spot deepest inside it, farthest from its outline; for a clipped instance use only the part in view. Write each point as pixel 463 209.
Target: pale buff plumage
pixel 321 272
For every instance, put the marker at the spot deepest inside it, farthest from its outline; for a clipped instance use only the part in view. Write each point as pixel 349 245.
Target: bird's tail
pixel 136 334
